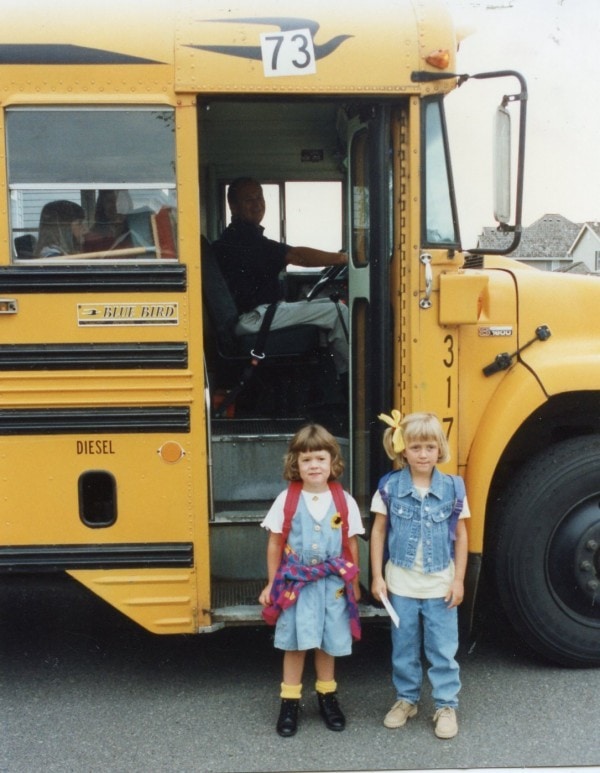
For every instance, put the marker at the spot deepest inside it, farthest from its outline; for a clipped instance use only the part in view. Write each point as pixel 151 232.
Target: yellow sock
pixel 291 691
pixel 325 687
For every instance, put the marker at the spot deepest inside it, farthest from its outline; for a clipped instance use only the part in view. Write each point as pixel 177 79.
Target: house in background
pixel 586 247
pixel 551 243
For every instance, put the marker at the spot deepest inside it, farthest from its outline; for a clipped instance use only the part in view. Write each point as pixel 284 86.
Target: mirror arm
pixel 420 76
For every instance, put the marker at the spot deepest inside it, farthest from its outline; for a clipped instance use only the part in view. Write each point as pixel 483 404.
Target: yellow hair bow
pixel 394 422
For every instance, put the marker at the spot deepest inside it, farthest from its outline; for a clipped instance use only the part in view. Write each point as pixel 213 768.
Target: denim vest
pixel 412 520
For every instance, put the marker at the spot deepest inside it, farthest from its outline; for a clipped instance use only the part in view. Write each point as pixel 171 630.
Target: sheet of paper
pixel 390 610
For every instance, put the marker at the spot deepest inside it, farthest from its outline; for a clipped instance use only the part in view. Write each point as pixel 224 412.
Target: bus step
pixel 236 601
pixel 241 512
pixel 256 428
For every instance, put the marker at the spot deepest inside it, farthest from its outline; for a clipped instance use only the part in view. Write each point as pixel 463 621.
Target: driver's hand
pixel 342 258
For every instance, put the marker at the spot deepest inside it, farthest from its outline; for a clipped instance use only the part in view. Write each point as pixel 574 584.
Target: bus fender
pixel 572 363
pixel 518 395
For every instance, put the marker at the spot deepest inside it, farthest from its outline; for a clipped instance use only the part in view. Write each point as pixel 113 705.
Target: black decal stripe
pixel 62 53
pixel 115 356
pixel 55 558
pixel 103 421
pixel 93 278
pixel 285 24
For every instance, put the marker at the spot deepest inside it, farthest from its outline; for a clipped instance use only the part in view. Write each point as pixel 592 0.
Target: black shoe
pixel 330 711
pixel 287 724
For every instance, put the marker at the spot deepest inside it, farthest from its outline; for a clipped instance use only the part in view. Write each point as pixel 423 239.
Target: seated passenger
pixel 251 264
pixel 62 229
pixel 110 229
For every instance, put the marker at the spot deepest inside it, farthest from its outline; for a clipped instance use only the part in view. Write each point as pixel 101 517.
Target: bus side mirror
pixel 504 161
pixel 502 165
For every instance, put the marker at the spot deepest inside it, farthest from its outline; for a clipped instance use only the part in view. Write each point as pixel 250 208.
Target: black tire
pixel 547 552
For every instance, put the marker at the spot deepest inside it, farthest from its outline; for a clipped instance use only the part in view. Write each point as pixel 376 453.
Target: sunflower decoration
pixel 336 521
pixel 340 592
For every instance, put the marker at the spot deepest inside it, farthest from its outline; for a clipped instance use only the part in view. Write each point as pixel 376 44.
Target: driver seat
pixel 283 349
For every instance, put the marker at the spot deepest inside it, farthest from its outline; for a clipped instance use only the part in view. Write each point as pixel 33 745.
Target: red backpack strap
pixel 341 505
pixel 291 505
pixel 289 509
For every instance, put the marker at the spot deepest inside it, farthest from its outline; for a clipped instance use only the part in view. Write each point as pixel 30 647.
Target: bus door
pixel 97 379
pixel 292 147
pixel 371 190
pixel 403 230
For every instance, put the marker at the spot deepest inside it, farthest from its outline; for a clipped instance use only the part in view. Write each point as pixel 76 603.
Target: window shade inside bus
pixel 100 146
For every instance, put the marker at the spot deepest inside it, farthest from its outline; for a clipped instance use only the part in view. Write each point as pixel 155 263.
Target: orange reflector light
pixel 171 451
pixel 439 58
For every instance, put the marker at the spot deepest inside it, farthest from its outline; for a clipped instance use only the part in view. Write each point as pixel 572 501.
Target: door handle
pixel 425 302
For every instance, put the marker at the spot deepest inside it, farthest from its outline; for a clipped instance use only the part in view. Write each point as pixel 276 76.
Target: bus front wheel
pixel 547 552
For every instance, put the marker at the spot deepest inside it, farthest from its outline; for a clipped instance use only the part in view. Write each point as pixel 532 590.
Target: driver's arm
pixel 312 258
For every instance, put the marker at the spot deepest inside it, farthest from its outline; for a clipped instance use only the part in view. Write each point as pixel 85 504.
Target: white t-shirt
pixel 318 506
pixel 413 582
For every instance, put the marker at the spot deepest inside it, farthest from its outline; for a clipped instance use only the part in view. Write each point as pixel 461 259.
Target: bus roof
pixel 205 46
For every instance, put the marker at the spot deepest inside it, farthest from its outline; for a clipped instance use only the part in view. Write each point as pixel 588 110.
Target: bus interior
pixel 302 152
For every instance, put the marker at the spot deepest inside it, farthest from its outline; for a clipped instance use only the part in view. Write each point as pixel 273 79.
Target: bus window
pixel 116 164
pixel 313 214
pixel 360 198
pixel 440 227
pixel 307 213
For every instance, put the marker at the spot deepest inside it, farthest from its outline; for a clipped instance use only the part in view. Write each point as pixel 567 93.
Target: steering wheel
pixel 326 277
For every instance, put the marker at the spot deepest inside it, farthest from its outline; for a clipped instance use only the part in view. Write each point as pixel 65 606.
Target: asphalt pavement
pixel 84 690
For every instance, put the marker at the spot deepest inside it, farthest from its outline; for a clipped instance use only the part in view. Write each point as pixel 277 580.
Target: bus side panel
pixel 100 464
pixel 162 601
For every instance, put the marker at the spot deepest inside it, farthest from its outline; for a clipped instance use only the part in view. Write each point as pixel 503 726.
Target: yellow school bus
pixel 137 455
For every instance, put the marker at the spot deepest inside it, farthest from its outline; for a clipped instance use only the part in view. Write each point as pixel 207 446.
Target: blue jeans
pixel 431 623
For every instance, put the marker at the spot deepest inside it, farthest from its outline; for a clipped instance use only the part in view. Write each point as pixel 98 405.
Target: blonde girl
pixel 418 562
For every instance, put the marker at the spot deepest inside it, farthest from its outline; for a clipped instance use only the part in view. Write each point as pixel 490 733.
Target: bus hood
pixel 569 305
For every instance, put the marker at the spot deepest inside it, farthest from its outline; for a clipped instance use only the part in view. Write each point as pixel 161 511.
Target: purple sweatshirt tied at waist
pixel 292 576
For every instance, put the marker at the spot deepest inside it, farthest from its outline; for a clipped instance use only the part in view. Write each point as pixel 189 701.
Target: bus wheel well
pixel 570 415
pixel 542 540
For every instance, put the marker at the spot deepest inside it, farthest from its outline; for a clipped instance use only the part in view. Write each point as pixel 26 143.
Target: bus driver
pixel 251 264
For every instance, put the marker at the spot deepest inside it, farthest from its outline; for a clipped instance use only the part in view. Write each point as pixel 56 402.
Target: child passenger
pixel 312 562
pixel 417 525
pixel 62 229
